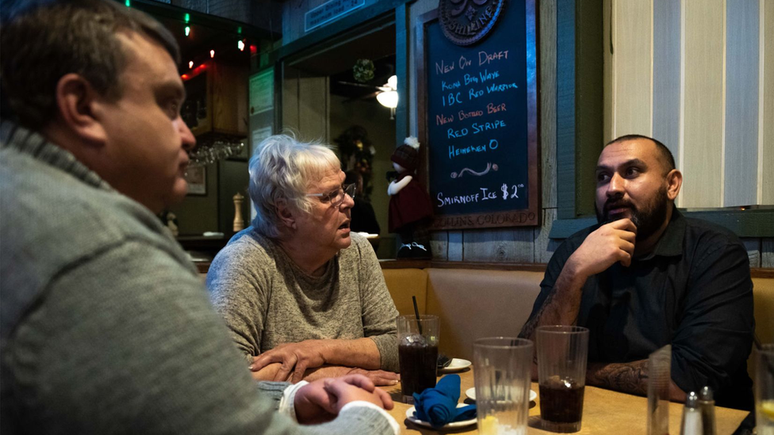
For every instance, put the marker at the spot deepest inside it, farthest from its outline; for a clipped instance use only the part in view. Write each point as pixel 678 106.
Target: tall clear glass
pixel 502 378
pixel 417 353
pixel 764 390
pixel 562 352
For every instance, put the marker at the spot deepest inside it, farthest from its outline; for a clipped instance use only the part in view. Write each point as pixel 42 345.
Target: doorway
pixel 324 99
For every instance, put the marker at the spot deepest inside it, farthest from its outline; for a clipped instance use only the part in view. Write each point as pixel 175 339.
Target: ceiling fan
pixel 374 90
pixel 386 95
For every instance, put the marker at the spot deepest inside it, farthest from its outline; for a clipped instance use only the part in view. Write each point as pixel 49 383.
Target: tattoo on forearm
pixel 629 378
pixel 529 328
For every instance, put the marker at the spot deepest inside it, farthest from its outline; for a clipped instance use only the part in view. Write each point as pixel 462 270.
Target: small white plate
pixel 471 393
pixel 456 365
pixel 410 416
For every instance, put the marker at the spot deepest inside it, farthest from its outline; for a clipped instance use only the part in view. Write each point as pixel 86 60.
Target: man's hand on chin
pixel 608 244
pixel 321 400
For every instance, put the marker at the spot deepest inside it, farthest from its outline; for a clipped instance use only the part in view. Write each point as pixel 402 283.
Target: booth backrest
pixel 473 304
pixel 405 283
pixel 470 303
pixel 763 291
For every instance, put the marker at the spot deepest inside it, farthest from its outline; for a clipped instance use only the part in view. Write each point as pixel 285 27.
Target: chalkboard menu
pixel 478 122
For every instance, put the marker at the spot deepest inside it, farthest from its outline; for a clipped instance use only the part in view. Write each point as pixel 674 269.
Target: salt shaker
pixel 692 424
pixel 707 408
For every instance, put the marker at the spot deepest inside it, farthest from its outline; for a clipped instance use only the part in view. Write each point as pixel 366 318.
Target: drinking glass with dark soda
pixel 562 353
pixel 417 353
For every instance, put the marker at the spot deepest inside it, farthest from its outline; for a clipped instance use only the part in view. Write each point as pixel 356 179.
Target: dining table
pixel 604 412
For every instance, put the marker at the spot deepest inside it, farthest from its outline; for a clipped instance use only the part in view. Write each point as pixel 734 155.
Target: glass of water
pixel 502 369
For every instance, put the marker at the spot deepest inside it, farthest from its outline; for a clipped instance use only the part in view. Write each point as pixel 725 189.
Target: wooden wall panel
pixel 607 71
pixel 455 247
pixel 566 131
pixel 767 253
pixel 229 85
pixel 742 90
pixel 632 31
pixel 544 247
pixel 417 9
pixel 702 104
pixel 588 95
pixel 766 106
pixel 498 245
pixel 666 74
pixel 547 107
pixel 439 244
pixel 753 247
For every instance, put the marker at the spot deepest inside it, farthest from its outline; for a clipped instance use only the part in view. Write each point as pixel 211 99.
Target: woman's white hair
pixel 282 169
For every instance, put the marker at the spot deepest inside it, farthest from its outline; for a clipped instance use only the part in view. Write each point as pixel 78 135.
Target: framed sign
pixel 196 176
pixel 478 118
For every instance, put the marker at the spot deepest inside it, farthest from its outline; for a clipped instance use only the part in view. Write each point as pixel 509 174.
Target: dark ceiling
pixel 207 32
pixel 197 45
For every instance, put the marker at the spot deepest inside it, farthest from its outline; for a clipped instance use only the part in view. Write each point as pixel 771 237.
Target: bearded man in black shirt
pixel 645 276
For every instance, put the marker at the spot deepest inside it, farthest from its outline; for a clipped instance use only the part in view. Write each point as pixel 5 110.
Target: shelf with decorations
pixel 216 108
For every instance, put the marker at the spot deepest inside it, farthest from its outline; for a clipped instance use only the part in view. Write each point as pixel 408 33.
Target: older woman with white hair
pixel 302 295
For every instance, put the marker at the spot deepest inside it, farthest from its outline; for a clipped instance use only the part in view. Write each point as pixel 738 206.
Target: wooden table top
pixel 604 412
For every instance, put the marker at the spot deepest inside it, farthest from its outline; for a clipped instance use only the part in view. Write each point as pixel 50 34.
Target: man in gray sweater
pixel 105 326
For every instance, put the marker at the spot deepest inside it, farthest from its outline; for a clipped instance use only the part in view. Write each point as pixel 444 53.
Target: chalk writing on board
pixel 515 188
pixel 479 104
pixel 473 196
pixel 489 166
pixel 478 124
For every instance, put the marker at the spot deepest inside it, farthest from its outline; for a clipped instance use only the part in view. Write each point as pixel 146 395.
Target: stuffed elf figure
pixel 410 208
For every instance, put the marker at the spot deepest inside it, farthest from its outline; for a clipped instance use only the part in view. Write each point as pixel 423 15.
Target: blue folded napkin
pixel 438 406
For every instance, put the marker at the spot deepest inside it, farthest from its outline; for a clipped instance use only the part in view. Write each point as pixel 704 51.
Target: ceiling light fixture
pixel 388 97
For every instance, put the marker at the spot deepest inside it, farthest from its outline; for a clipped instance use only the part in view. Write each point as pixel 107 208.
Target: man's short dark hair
pixel 43 40
pixel 666 156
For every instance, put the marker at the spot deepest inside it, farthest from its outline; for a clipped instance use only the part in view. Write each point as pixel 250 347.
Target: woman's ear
pixel 286 214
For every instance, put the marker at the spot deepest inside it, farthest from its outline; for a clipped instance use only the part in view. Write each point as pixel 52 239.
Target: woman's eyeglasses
pixel 336 197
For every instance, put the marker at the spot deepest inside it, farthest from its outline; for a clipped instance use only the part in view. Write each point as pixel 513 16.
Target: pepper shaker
pixel 707 408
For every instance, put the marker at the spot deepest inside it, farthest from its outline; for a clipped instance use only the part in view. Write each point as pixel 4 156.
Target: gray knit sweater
pixel 267 300
pixel 106 327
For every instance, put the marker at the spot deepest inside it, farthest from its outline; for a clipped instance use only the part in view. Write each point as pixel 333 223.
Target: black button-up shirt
pixel 692 291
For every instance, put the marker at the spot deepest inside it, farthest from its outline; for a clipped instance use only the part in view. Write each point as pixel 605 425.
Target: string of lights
pixel 196 65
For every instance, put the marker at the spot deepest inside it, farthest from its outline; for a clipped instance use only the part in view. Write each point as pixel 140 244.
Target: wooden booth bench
pixel 472 300
pixel 476 300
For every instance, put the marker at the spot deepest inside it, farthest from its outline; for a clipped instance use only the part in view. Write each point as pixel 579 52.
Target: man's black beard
pixel 647 221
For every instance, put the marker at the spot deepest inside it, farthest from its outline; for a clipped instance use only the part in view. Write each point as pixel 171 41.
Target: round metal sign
pixel 466 22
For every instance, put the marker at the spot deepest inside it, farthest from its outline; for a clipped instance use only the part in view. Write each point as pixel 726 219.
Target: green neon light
pixel 187 17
